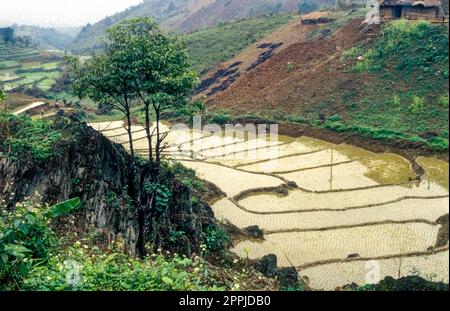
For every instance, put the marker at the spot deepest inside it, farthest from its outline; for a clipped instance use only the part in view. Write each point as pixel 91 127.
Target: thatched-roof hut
pixel 411 9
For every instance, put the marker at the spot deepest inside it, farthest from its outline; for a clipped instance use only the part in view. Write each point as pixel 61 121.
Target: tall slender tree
pixel 107 79
pixel 162 74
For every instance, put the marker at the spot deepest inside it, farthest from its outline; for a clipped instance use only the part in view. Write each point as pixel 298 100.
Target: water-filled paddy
pixel 407 210
pixel 302 248
pixel 333 275
pixel 349 201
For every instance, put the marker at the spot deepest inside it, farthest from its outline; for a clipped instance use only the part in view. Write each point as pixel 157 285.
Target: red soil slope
pixel 298 76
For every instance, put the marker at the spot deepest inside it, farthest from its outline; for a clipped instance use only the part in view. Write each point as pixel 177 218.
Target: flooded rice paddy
pixel 346 215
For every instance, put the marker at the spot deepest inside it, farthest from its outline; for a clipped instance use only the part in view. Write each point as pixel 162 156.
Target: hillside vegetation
pixel 24 67
pixel 48 38
pixel 410 61
pixel 211 46
pixel 185 16
pixel 386 84
pixel 92 37
pixel 40 243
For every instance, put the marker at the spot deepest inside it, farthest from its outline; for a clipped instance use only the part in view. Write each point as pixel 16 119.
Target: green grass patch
pixel 214 45
pixel 23 66
pixel 408 96
pixel 32 139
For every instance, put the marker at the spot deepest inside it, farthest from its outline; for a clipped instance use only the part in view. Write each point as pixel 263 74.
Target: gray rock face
pixel 288 277
pixel 267 265
pixel 255 232
pixel 108 183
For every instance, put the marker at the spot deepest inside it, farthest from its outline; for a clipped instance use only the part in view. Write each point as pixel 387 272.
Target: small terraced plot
pixel 327 209
pixel 425 210
pixel 22 66
pixel 372 241
pixel 333 275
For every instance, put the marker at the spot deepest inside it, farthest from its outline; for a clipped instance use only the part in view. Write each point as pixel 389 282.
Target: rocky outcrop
pixel 109 184
pixel 268 265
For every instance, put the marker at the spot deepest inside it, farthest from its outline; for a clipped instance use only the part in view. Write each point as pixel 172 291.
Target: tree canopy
pixel 141 64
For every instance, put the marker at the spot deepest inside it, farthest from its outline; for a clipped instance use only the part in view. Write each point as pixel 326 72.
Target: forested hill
pixel 48 38
pixel 190 15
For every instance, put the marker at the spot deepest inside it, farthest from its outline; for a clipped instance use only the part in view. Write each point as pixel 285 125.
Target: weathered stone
pixel 108 182
pixel 354 256
pixel 255 232
pixel 267 265
pixel 288 277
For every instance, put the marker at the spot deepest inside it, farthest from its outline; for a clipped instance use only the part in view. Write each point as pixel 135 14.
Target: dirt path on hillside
pixel 29 107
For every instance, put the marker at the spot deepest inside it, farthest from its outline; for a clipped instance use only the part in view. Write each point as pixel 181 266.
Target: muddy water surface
pixel 349 202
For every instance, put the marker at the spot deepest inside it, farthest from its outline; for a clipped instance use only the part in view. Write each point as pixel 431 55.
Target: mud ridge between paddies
pixel 373 208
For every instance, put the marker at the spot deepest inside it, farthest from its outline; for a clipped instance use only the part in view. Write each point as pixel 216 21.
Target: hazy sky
pixel 58 13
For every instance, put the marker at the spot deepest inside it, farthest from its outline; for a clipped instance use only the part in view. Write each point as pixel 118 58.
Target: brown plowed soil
pixel 315 74
pixel 302 75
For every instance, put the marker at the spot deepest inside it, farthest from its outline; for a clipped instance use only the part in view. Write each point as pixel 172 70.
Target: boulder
pixel 288 277
pixel 255 232
pixel 267 265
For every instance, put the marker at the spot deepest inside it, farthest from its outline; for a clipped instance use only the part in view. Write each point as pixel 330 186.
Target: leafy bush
pixel 220 118
pixel 216 239
pixel 290 66
pixel 410 283
pixel 396 101
pixel 95 271
pixel 335 118
pixel 31 138
pixel 297 119
pixel 353 53
pixel 443 101
pixel 417 104
pixel 26 239
pixel 161 192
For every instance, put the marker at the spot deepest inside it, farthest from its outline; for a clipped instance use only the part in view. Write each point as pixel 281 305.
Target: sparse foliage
pixel 160 72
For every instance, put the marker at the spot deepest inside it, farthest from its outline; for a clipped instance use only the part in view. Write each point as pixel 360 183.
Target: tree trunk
pixel 130 134
pixel 149 134
pixel 158 140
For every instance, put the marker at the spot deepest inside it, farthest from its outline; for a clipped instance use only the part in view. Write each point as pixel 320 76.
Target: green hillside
pixel 211 46
pixel 185 16
pixel 22 66
pixel 92 37
pixel 48 38
pixel 410 64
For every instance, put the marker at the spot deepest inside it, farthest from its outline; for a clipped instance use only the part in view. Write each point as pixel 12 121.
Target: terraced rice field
pixel 25 66
pixel 346 214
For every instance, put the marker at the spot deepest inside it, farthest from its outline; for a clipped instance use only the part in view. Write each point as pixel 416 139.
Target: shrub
pixel 396 100
pixel 417 104
pixel 290 66
pixel 216 239
pixel 90 270
pixel 353 53
pixel 410 283
pixel 443 101
pixel 26 239
pixel 335 118
pixel 220 118
pixel 36 139
pixel 161 193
